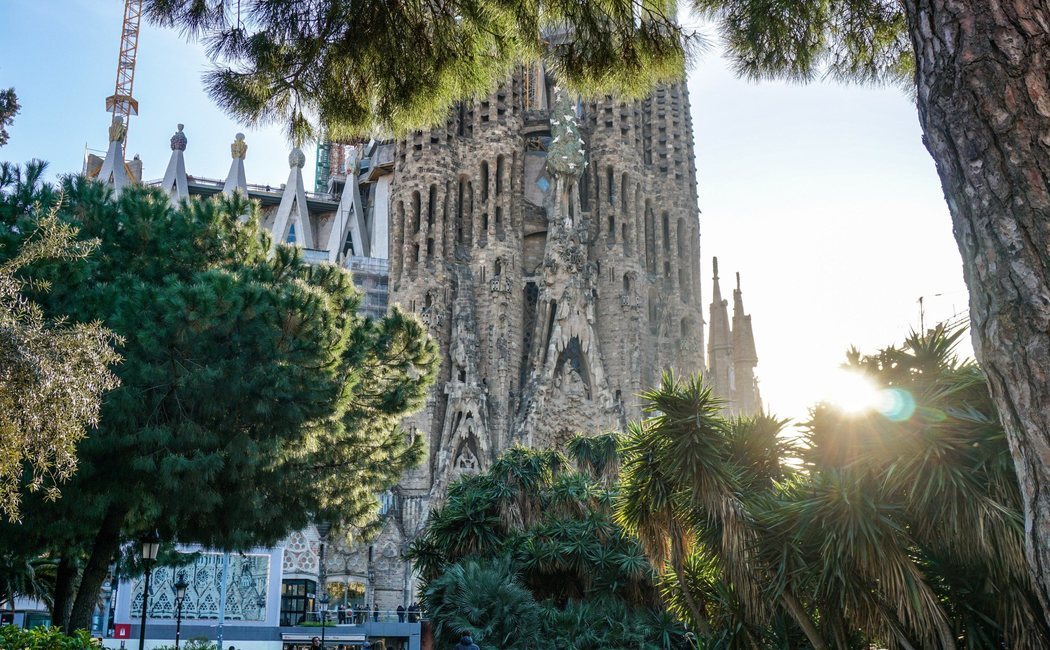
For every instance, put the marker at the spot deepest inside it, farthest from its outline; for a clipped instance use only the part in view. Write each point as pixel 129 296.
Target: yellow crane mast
pixel 121 103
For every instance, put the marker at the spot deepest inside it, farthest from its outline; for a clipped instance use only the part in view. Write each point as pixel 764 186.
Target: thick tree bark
pixel 983 84
pixel 65 582
pixel 107 542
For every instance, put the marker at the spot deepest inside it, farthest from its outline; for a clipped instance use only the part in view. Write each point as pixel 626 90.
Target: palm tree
pixel 32 578
pixel 551 527
pixel 936 466
pixel 685 470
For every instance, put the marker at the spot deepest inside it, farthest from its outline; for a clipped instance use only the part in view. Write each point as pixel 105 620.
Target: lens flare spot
pixel 896 404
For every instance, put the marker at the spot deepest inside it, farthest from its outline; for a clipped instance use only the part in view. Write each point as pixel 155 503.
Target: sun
pixel 852 392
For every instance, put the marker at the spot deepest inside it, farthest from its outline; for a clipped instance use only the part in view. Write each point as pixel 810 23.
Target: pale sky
pixel 822 196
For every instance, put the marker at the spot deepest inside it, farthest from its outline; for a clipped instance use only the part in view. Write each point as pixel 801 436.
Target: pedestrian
pixel 341 613
pixel 400 613
pixel 315 643
pixel 375 613
pixel 360 614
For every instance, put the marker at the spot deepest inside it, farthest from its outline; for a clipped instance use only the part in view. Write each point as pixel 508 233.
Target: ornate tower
pixel 731 352
pixel 551 246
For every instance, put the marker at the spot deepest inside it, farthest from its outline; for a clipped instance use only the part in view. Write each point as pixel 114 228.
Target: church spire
pixel 174 182
pixel 113 171
pixel 235 179
pixel 720 343
pixel 293 209
pixel 745 357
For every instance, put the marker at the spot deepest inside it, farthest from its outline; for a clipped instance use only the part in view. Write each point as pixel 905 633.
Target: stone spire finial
pixel 117 130
pixel 178 141
pixel 296 159
pixel 239 148
pixel 738 280
pixel 113 170
pixel 175 182
pixel 714 262
pixel 293 208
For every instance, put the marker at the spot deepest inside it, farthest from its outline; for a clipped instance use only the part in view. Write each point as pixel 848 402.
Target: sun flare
pixel 852 392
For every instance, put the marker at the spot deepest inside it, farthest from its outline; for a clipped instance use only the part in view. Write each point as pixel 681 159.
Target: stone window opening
pixel 609 185
pixel 416 208
pixel 497 267
pixel 626 284
pixel 461 122
pixel 499 174
pixel 432 205
pixel 484 180
pixel 623 236
pixel 459 212
pixel 612 228
pixel 430 247
pixel 415 253
pixel 666 223
pixel 624 180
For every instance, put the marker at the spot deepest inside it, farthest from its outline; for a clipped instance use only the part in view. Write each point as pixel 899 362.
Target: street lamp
pixel 324 614
pixel 150 549
pixel 180 595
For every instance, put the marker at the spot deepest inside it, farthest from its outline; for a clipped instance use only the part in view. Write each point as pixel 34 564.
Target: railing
pixel 368 264
pixel 349 617
pixel 315 255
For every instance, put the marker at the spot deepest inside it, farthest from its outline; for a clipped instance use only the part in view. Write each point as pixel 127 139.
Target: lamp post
pixel 180 595
pixel 150 549
pixel 324 614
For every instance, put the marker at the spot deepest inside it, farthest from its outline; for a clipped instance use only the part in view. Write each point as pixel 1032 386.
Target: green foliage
pixel 26 578
pixel 253 398
pixel 354 68
pixel 52 373
pixel 484 599
pixel 43 638
pixel 196 643
pixel 898 527
pixel 544 530
pixel 8 109
pixel 851 40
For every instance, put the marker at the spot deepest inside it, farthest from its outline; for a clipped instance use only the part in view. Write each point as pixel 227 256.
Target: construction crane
pixel 121 103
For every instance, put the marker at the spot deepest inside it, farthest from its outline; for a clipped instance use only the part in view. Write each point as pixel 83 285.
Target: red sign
pixel 122 631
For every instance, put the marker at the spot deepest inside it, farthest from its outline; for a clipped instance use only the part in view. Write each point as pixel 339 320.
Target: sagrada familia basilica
pixel 551 246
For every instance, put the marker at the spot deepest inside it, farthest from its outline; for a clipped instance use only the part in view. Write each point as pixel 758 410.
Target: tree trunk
pixel 65 582
pixel 797 612
pixel 983 91
pixel 107 542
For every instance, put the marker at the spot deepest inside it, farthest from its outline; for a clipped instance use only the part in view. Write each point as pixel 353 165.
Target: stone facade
pixel 552 249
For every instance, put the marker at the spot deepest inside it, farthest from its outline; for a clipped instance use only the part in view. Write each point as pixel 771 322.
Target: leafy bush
pixel 43 638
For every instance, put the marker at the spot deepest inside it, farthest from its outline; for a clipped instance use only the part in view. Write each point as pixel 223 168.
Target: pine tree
pixel 253 399
pixel 8 109
pixel 358 68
